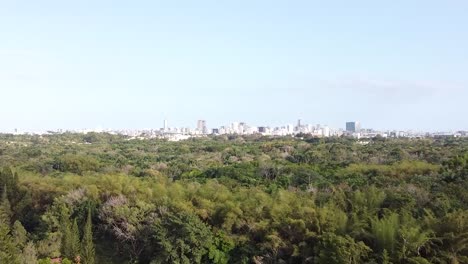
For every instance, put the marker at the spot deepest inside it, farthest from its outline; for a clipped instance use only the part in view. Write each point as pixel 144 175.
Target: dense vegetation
pixel 100 198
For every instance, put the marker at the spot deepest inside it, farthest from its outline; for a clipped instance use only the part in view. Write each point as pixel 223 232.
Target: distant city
pixel 350 129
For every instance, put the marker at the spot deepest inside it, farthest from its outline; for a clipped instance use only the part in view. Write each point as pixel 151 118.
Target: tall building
pixel 165 125
pixel 201 126
pixel 235 127
pixel 299 125
pixel 242 128
pixel 325 131
pixel 353 127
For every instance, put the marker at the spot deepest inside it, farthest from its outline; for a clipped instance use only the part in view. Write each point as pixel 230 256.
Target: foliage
pixel 335 249
pixel 182 238
pixel 255 199
pixel 9 250
pixel 87 244
pixel 29 254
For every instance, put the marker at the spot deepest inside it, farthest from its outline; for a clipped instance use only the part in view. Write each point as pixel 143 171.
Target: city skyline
pixel 203 126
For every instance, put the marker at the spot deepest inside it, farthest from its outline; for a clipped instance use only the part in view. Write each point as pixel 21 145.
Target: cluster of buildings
pixel 352 129
pixel 242 128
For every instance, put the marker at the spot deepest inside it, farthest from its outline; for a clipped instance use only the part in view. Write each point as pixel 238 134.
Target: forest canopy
pixel 101 198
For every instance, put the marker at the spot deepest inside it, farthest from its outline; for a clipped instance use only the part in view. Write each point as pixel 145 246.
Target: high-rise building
pixel 235 127
pixel 242 126
pixel 201 127
pixel 325 131
pixel 165 125
pixel 299 125
pixel 353 127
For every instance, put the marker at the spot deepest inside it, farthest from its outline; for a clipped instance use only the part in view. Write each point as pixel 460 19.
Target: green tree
pixel 128 222
pixel 452 230
pixel 385 231
pixel 7 178
pixel 413 237
pixel 66 261
pixel 385 257
pixel 9 251
pixel 19 234
pixel 66 248
pixel 182 237
pixel 44 261
pixel 334 249
pixel 29 254
pixel 220 249
pixel 87 244
pixel 75 239
pixel 5 207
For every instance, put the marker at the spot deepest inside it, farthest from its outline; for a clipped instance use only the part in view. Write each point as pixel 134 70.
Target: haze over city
pixel 116 64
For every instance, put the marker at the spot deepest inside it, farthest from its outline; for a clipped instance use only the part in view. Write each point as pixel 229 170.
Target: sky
pixel 132 64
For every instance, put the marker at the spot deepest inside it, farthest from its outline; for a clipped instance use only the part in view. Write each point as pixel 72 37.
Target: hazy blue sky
pixel 83 64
